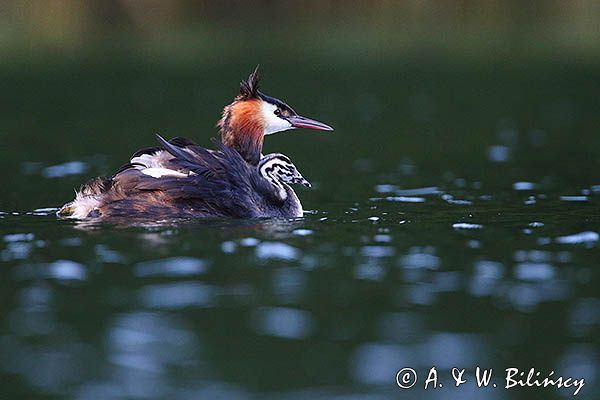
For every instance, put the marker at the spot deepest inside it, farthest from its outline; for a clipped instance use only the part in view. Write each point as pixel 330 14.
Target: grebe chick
pixel 279 170
pixel 201 183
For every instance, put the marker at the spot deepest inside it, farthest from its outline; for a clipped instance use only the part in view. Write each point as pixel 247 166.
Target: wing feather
pixel 222 183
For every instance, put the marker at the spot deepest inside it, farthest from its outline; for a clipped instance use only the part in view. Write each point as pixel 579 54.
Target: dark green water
pixel 453 222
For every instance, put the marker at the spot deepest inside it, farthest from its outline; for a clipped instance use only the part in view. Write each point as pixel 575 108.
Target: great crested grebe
pixel 182 179
pixel 199 183
pixel 253 114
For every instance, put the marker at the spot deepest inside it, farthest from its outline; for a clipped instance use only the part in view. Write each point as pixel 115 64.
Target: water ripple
pixel 465 225
pixel 283 322
pixel 174 267
pixel 529 271
pixel 177 295
pixel 276 250
pixel 587 237
pixel 574 198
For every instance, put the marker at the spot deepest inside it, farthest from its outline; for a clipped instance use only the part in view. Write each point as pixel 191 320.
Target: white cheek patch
pixel 273 123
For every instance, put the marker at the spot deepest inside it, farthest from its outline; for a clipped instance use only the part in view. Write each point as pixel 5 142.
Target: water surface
pixel 453 222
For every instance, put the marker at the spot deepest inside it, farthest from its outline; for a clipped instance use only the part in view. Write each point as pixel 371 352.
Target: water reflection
pixel 276 250
pixel 378 306
pixel 588 238
pixel 177 295
pixel 64 271
pixel 459 250
pixel 173 267
pixel 486 278
pixel 499 153
pixel 283 322
pixel 141 349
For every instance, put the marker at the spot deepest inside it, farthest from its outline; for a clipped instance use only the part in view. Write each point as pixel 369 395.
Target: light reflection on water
pixel 472 251
pixel 164 337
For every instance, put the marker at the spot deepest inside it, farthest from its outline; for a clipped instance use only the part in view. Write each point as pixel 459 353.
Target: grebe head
pixel 278 169
pixel 253 114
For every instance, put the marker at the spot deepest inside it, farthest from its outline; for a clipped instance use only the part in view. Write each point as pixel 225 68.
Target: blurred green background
pixel 174 31
pixel 99 78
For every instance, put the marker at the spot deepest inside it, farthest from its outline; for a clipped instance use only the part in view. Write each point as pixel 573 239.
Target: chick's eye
pixel 278 112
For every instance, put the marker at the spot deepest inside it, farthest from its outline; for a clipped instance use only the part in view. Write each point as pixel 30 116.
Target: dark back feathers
pixel 221 183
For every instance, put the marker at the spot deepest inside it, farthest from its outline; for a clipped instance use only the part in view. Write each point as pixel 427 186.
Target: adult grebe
pixel 181 178
pixel 253 114
pixel 200 183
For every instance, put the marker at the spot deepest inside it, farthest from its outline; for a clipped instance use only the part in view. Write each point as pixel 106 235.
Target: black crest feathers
pixel 249 87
